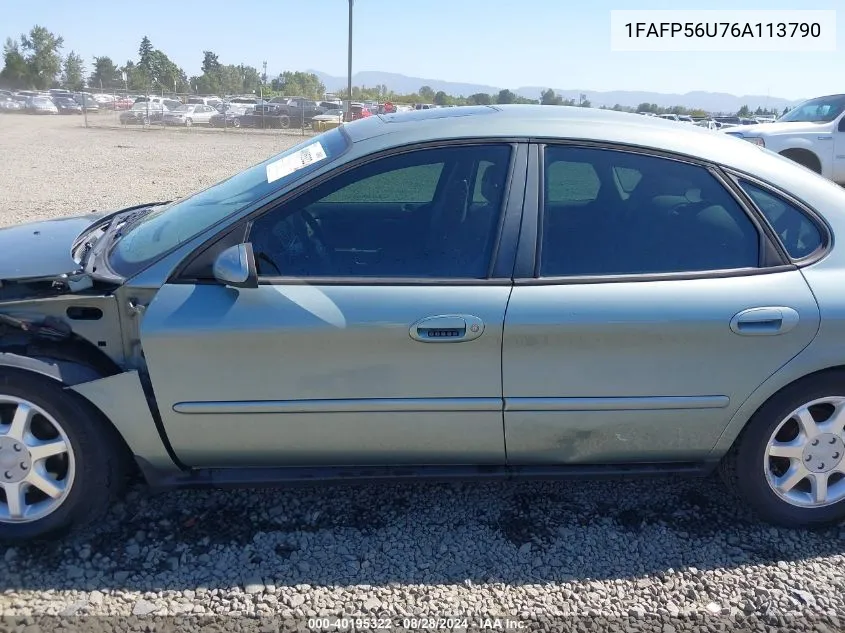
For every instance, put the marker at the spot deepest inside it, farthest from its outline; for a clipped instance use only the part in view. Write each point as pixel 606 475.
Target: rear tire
pixel 90 474
pixel 766 466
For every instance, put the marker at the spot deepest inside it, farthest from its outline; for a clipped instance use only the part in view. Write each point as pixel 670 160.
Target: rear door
pixel 375 334
pixel 649 303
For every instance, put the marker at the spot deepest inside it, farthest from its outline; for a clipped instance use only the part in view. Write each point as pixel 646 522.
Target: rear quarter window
pixel 799 234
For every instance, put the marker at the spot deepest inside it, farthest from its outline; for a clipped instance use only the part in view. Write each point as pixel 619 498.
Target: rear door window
pixel 608 212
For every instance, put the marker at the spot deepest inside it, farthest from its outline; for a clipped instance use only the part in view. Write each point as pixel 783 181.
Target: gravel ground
pixel 658 554
pixel 52 166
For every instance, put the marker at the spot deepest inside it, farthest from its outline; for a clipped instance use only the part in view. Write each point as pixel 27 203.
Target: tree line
pixel 34 61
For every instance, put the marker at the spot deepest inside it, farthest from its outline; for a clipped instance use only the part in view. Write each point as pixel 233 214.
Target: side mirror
pixel 235 267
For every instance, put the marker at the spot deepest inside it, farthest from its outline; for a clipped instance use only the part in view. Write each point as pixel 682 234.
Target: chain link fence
pixel 190 113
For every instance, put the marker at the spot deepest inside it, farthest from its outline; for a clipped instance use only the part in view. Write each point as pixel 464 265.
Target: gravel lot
pixel 53 166
pixel 662 554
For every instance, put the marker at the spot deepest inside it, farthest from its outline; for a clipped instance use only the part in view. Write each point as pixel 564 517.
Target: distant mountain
pixel 401 83
pixel 709 101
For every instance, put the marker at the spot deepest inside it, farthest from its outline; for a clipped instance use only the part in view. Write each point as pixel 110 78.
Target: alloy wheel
pixel 36 462
pixel 804 461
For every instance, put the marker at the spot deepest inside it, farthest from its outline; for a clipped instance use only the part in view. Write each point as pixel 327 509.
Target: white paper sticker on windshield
pixel 296 161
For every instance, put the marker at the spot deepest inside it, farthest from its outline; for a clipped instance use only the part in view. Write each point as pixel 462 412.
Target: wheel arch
pixel 65 373
pixel 775 385
pixel 803 156
pixel 117 398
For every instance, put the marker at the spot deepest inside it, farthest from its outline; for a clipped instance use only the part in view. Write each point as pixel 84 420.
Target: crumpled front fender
pixel 122 400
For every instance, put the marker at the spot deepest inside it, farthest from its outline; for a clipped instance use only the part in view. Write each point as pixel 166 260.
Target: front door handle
pixel 447 328
pixel 765 321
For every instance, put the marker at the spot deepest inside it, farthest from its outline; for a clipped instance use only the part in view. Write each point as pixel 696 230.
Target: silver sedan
pixel 492 291
pixel 190 114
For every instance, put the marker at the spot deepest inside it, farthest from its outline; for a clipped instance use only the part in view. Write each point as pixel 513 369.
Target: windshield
pixel 184 108
pixel 145 106
pixel 169 226
pixel 819 110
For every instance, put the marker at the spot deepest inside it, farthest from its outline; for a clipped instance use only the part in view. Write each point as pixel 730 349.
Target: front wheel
pixel 60 463
pixel 236 123
pixel 189 122
pixel 789 462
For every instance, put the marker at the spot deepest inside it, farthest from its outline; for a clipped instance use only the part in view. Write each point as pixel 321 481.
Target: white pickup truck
pixel 812 134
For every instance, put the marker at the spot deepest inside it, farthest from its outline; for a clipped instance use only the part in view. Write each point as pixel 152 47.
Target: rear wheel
pixel 60 463
pixel 789 463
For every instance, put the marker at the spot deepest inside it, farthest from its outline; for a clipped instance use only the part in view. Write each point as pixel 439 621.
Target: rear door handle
pixel 447 328
pixel 764 321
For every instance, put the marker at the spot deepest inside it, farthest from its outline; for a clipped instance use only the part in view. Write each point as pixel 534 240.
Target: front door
pixel 653 313
pixel 374 336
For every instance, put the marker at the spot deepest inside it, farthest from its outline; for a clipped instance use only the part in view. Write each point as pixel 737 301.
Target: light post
pixel 349 69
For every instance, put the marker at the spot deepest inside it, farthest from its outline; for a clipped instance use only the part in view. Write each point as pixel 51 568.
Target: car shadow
pixel 421 533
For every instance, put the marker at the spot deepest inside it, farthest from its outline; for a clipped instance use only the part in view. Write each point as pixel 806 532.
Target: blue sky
pixel 563 44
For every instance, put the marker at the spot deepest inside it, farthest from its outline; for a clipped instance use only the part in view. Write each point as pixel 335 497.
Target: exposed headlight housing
pixel 756 140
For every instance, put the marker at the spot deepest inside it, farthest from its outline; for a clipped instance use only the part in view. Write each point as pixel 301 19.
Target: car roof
pixel 551 122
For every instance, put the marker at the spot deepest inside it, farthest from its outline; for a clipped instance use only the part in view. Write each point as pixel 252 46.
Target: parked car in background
pixel 214 102
pixel 246 100
pixel 812 134
pixel 67 105
pixel 727 121
pixel 328 120
pixel 357 111
pixel 189 114
pixel 297 109
pixel 708 124
pixel 9 104
pixel 167 102
pixel 234 115
pixel 143 113
pixel 104 101
pixel 124 103
pixel 87 101
pixel 41 105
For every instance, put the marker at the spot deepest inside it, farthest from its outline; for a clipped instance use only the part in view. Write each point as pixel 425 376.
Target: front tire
pixel 61 464
pixel 189 122
pixel 789 462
